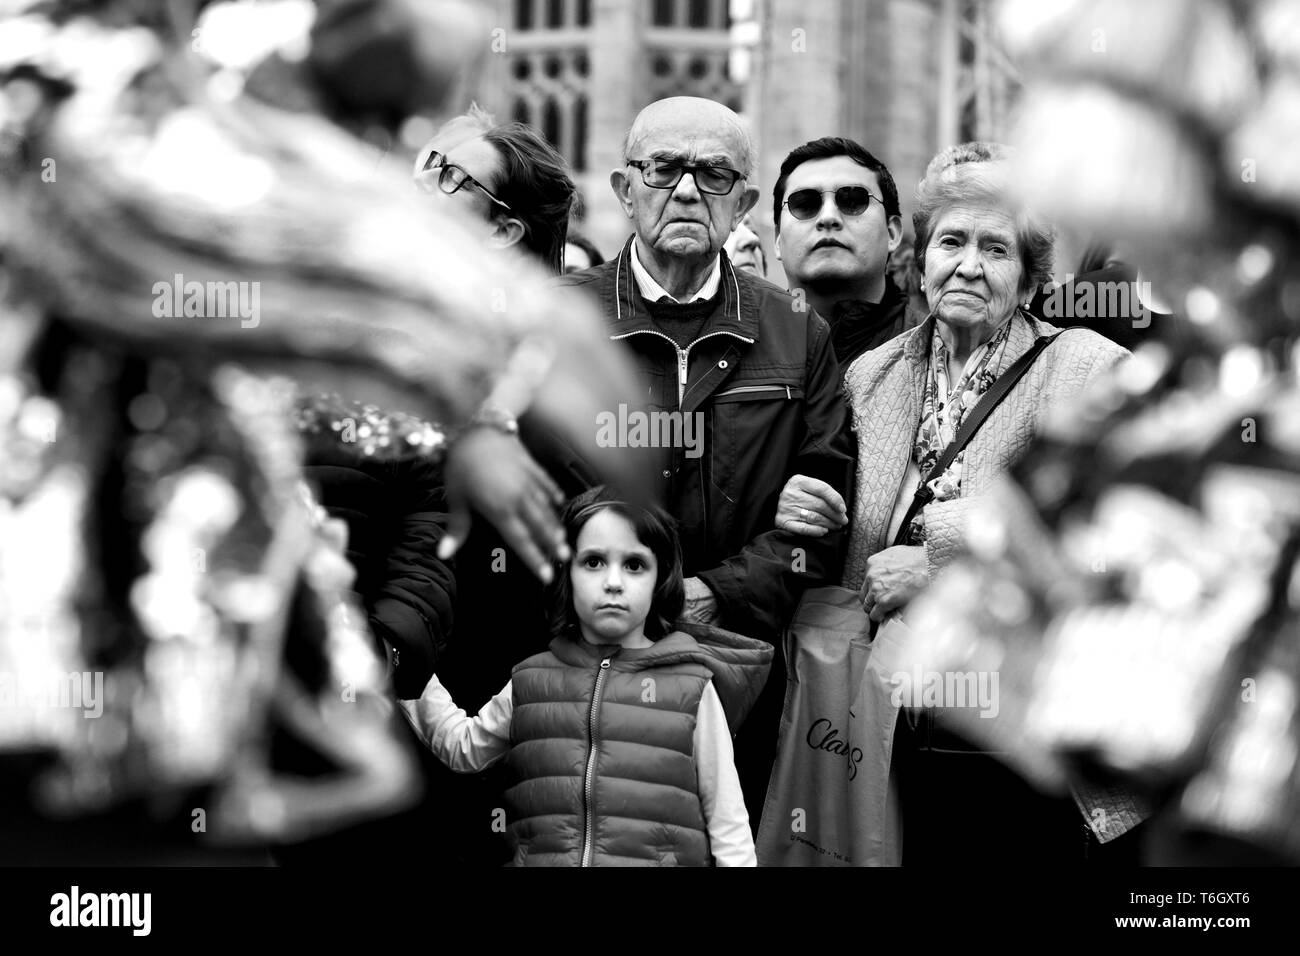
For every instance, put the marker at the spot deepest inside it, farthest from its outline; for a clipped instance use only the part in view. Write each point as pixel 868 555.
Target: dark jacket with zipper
pixel 763 377
pixel 602 773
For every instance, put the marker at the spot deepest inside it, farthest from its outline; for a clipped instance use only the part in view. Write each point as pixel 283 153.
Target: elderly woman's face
pixel 973 271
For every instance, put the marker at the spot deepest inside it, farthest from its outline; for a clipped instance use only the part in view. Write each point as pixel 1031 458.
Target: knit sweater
pixel 884 388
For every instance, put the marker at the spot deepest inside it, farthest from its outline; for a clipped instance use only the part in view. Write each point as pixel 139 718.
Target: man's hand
pixel 811 507
pixel 894 577
pixel 701 605
pixel 492 473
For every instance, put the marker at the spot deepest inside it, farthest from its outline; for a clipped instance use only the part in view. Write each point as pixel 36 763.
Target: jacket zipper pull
pixel 683 359
pixel 604 665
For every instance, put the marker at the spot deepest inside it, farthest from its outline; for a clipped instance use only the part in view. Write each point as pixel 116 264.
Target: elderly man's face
pixel 684 222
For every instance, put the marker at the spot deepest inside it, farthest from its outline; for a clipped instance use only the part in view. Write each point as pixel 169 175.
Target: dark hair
pixel 654 529
pixel 536 185
pixel 1094 258
pixel 826 148
pixel 585 244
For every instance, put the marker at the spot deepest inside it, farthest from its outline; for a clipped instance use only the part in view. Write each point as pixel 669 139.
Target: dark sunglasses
pixel 851 200
pixel 451 178
pixel 665 174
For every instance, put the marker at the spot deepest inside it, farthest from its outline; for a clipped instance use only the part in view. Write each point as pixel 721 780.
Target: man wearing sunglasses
pixel 837 221
pixel 733 355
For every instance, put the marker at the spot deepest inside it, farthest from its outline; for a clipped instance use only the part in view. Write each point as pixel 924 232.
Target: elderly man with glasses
pixel 744 380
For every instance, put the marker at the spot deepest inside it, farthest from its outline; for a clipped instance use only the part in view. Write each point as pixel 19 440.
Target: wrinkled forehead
pixel 984 221
pixel 681 138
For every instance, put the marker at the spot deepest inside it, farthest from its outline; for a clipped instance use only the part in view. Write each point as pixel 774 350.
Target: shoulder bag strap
pixel 971 424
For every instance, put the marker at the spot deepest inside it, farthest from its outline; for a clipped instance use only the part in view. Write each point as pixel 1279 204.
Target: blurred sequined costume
pixel 169 604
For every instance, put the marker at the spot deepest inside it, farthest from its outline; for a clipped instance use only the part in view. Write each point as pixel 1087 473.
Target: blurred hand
pixel 811 507
pixel 491 473
pixel 894 577
pixel 326 566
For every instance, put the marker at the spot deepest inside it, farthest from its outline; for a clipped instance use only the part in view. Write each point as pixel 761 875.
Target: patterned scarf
pixel 943 407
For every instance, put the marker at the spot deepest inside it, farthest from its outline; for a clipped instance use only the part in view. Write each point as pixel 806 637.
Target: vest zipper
pixel 589 776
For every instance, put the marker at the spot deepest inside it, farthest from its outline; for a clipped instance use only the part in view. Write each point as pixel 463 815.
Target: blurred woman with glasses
pixel 512 177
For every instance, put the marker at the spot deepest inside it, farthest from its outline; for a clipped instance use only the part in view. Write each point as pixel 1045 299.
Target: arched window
pixel 523 14
pixel 551 121
pixel 579 157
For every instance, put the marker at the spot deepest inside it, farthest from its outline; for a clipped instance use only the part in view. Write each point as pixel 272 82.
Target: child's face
pixel 613 579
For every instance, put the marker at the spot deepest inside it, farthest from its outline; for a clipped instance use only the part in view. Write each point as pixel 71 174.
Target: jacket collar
pixel 623 303
pixel 653 291
pixel 671 647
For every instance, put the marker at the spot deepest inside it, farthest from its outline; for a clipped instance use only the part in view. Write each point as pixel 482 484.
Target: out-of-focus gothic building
pixel 903 77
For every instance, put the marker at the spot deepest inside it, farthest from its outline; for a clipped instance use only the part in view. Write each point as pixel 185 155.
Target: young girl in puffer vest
pixel 618 738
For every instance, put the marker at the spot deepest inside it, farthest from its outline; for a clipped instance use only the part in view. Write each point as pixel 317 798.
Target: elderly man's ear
pixel 506 232
pixel 747 201
pixel 622 186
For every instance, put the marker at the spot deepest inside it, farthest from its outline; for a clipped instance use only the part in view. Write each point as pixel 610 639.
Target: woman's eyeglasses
pixel 665 174
pixel 451 178
pixel 851 200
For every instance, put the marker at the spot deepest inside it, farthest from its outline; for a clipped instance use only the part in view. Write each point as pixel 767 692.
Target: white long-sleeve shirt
pixel 467 744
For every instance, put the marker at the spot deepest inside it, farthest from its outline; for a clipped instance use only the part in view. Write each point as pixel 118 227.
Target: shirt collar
pixel 652 291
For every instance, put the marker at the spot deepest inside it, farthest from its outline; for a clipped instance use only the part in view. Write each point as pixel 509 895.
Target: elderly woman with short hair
pixel 981 257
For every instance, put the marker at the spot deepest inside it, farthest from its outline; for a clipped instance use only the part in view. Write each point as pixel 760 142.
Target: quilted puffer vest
pixel 602 768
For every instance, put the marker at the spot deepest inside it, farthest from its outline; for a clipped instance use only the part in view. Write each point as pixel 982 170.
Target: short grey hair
pixel 978 172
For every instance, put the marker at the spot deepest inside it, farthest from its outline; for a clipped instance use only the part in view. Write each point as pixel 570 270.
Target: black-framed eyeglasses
pixel 452 178
pixel 851 200
pixel 667 173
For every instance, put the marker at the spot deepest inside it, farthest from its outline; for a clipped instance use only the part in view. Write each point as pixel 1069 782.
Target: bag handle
pixel 970 425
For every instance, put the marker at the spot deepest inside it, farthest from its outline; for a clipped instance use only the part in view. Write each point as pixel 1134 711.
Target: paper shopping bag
pixel 829 801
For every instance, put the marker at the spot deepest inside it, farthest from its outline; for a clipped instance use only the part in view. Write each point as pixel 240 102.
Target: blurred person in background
pixel 981 256
pixel 905 275
pixel 1107 294
pixel 516 182
pixel 745 249
pixel 580 253
pixel 837 223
